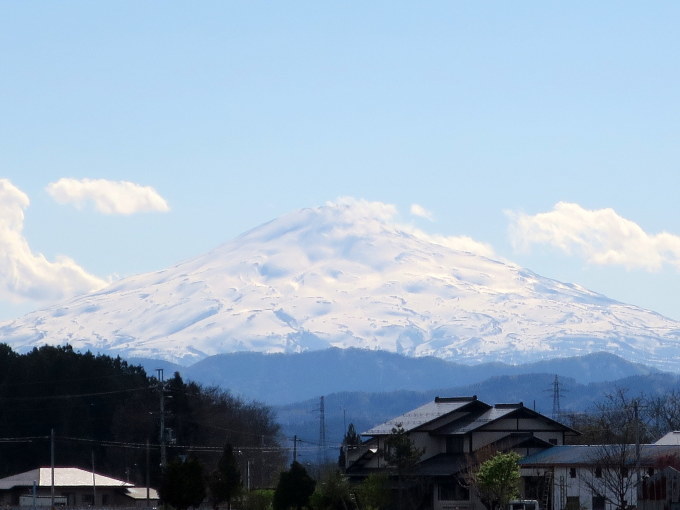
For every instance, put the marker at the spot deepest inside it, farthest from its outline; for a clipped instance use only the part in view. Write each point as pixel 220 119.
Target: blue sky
pixel 545 130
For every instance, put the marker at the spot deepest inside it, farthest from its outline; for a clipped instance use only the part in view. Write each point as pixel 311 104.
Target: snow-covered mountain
pixel 346 275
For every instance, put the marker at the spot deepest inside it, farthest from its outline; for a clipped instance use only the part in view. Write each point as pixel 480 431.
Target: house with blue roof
pixel 597 477
pixel 455 433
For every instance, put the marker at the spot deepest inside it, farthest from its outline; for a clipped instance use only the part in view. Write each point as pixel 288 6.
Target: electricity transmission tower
pixel 556 412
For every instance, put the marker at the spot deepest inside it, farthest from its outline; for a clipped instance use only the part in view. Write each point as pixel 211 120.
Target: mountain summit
pixel 347 275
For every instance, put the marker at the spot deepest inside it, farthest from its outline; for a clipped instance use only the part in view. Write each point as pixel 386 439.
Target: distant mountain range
pixel 368 387
pixel 285 378
pixel 578 382
pixel 345 275
pixel 365 410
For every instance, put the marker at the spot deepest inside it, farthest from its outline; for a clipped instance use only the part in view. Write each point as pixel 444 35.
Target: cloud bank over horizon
pixel 601 237
pixel 28 276
pixel 108 197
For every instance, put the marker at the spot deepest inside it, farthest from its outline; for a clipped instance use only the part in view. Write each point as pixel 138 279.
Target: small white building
pixel 593 477
pixel 73 487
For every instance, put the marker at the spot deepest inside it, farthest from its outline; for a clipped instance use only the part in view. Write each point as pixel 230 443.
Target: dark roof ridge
pixel 455 399
pixel 509 406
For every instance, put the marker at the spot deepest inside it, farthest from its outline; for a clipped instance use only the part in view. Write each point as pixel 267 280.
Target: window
pixel 572 472
pixel 455 444
pixel 452 491
pixel 624 472
pixel 573 503
pixel 650 471
pixel 598 502
pixel 598 474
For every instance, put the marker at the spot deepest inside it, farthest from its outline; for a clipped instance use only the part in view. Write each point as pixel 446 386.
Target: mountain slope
pixel 345 275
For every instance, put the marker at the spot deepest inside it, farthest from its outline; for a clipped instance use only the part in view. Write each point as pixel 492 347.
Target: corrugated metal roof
pixel 573 455
pixel 63 477
pixel 422 415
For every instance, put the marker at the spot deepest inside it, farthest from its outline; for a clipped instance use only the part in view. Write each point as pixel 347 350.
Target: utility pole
pixel 322 434
pixel 295 448
pixel 94 482
pixel 148 482
pixel 636 416
pixel 161 391
pixel 52 467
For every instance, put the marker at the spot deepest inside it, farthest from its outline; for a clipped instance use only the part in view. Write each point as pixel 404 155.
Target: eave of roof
pixel 575 455
pixel 443 464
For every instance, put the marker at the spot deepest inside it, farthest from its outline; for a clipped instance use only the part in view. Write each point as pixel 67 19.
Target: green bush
pixel 260 499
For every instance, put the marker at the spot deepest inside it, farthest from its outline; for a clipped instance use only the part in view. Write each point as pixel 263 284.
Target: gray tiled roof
pixel 488 416
pixel 422 415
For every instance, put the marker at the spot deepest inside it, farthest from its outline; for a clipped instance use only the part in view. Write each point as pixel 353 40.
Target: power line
pixel 73 395
pixel 65 381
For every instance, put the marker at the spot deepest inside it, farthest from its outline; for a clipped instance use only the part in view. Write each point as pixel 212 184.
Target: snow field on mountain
pixel 346 275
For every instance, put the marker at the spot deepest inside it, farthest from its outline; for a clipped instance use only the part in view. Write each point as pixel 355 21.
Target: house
pixel 673 437
pixel 452 433
pixel 595 477
pixel 72 487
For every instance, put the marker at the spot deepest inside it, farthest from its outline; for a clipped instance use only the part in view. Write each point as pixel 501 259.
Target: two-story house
pixel 455 433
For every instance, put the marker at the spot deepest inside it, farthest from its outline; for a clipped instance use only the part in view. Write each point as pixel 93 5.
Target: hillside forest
pixel 99 412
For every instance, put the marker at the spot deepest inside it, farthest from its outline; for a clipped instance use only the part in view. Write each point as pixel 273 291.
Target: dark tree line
pixel 105 410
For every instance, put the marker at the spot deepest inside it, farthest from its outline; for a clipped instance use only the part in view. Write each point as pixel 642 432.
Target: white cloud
pixel 108 197
pixel 420 211
pixel 25 275
pixel 462 243
pixel 374 216
pixel 353 210
pixel 599 236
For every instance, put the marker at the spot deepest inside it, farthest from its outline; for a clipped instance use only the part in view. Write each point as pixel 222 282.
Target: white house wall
pixel 564 486
pixel 523 424
pixel 431 444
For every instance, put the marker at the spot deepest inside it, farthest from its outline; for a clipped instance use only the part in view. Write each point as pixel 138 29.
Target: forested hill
pixel 102 409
